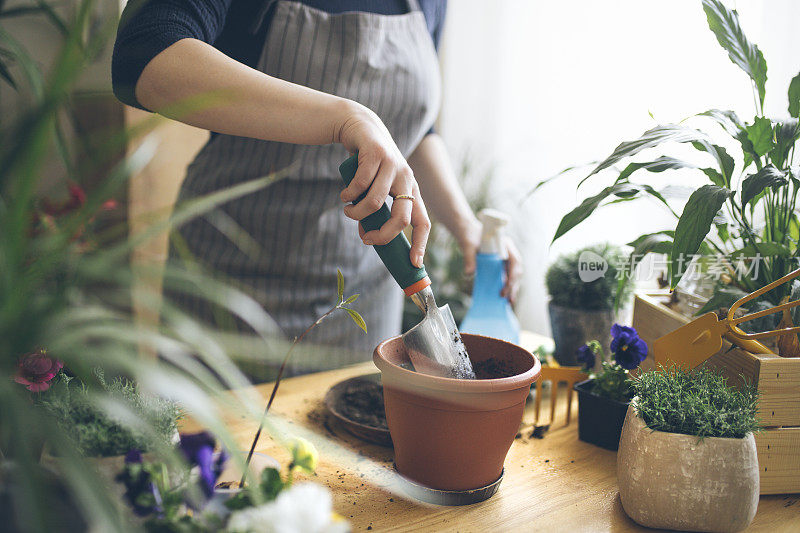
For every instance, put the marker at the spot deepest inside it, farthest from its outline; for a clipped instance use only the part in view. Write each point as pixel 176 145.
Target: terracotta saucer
pixel 333 397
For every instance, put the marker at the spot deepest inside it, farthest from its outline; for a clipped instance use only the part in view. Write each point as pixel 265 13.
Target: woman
pixel 303 83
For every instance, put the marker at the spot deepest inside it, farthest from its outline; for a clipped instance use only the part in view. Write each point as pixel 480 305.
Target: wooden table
pixel 556 483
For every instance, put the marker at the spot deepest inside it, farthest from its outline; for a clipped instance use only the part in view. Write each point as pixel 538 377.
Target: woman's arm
pixel 249 103
pixel 437 180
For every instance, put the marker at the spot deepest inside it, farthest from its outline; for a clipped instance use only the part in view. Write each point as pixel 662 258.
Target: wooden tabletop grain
pixel 554 483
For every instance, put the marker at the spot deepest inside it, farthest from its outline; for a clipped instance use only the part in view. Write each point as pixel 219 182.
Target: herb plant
pixel 700 403
pixel 96 433
pixel 566 288
pixel 613 381
pixel 745 212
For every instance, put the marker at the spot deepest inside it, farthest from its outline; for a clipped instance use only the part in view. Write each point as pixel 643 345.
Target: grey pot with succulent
pixel 583 291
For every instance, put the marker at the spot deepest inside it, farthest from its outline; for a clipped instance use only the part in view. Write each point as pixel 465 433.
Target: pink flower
pixel 35 370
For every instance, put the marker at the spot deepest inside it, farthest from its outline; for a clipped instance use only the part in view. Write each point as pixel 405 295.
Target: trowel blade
pixel 435 346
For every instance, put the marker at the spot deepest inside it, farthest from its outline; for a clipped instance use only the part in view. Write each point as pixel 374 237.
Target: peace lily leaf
pixel 760 134
pixel 649 139
pixel 786 134
pixel 728 119
pixel 722 231
pixel 764 249
pixel 714 175
pixel 753 184
pixel 659 165
pixel 339 283
pixel 724 160
pixel 551 178
pixel 357 319
pixel 794 97
pixel 694 225
pixel 723 296
pixel 659 243
pixel 587 207
pixel 725 25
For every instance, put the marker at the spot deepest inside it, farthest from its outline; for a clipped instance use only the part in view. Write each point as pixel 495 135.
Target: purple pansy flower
pixel 628 349
pixel 199 451
pixel 140 491
pixel 586 356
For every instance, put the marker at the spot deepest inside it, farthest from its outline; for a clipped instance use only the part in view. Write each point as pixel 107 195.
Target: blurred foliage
pixel 97 433
pixel 74 300
pixel 566 288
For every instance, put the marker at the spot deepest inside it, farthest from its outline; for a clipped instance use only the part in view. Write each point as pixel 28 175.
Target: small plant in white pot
pixel 687 457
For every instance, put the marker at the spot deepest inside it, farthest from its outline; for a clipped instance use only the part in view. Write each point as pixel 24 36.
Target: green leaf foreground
pixel 339 284
pixel 344 302
pixel 694 225
pixel 794 97
pixel 754 184
pixel 760 134
pixel 746 55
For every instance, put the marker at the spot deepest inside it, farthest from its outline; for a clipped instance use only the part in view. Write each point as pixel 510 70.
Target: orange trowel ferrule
pixel 417 286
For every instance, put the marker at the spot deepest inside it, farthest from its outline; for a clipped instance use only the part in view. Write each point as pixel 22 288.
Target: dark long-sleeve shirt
pixel 148 27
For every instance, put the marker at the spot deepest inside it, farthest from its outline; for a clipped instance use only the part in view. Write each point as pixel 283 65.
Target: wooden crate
pixel 779 460
pixel 778 382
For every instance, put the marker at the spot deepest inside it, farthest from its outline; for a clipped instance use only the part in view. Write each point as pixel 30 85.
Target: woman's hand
pixel 382 171
pixel 470 240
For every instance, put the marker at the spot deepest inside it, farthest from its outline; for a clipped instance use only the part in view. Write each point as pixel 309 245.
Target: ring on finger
pixel 404 197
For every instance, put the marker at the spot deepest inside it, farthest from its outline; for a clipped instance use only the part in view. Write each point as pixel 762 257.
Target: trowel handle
pixel 395 254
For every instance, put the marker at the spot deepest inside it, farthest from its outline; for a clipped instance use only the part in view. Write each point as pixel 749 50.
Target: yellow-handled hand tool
pixel 692 344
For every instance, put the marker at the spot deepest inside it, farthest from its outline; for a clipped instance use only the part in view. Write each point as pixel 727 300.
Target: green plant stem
pixel 277 383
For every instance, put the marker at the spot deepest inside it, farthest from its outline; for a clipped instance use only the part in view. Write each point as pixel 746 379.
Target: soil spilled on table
pixel 493 369
pixel 362 402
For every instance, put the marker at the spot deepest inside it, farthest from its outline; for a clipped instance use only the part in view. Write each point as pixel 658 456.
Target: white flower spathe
pixel 302 508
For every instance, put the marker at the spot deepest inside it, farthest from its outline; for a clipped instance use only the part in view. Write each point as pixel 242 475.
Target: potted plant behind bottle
pixel 687 458
pixel 603 399
pixel 583 290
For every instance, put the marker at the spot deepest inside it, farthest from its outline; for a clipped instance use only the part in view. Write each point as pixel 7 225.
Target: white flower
pixel 302 508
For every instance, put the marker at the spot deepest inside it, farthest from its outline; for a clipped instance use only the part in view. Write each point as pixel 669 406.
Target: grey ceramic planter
pixel 572 328
pixel 674 481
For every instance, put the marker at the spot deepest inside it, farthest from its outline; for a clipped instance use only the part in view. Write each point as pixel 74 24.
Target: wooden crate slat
pixel 779 460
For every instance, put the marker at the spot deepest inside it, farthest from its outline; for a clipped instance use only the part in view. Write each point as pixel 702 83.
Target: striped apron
pixel 387 63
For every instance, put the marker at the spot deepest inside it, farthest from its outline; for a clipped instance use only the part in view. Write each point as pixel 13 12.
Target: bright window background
pixel 532 87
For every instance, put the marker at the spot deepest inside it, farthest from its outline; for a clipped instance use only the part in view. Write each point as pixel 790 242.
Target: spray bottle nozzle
pixel 491 238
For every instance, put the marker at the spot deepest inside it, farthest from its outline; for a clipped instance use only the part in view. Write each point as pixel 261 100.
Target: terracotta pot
pixel 453 434
pixel 674 481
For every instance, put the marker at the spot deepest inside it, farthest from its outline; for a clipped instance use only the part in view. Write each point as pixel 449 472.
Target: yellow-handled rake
pixel 698 340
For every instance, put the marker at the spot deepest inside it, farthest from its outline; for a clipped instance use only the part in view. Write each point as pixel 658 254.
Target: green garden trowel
pixel 434 345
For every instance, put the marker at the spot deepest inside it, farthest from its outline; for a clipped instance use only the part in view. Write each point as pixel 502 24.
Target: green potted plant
pixel 583 290
pixel 687 457
pixel 743 213
pixel 603 399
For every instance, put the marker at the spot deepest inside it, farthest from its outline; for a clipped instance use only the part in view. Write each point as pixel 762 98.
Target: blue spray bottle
pixel 490 313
